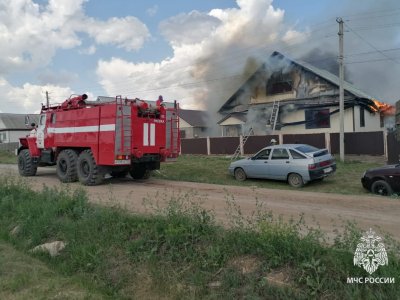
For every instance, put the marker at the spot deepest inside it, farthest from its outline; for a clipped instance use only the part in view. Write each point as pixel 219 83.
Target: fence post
pixel 280 138
pixel 208 146
pixel 328 141
pixel 385 145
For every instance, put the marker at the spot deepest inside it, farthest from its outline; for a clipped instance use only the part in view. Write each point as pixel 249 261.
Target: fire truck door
pixel 40 132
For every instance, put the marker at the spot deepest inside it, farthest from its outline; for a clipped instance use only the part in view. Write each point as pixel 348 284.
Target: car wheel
pixel 381 187
pixel 295 180
pixel 240 175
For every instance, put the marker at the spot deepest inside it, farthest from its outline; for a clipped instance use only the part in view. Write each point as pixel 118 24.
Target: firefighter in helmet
pixel 159 101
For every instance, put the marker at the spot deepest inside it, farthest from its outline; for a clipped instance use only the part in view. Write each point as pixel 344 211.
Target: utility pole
pixel 341 90
pixel 47 99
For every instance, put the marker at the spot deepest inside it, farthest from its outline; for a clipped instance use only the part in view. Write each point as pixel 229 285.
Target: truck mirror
pixel 33 124
pixel 27 123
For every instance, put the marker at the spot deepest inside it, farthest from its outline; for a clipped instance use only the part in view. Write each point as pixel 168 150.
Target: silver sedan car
pixel 295 163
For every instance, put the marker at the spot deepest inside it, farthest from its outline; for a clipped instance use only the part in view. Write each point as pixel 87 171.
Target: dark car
pixel 382 181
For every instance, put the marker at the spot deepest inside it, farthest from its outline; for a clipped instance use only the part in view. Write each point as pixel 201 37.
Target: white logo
pixel 370 253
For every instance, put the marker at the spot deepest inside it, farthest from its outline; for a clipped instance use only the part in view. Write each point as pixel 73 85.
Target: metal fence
pixel 9 147
pixel 359 143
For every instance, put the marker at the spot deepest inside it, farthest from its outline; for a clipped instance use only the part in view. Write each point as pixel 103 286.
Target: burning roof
pixel 355 96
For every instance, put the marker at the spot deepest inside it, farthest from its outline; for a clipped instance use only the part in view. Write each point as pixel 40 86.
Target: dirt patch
pixel 280 277
pixel 245 264
pixel 325 210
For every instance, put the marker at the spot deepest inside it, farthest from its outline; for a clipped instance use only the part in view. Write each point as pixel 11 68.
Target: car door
pixel 278 164
pixel 394 179
pixel 40 131
pixel 258 165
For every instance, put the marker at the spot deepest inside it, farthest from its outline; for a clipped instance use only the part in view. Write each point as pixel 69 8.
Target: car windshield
pixel 306 148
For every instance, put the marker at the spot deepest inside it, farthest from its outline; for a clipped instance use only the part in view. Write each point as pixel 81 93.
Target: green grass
pixel 24 277
pixel 7 157
pixel 179 252
pixel 212 169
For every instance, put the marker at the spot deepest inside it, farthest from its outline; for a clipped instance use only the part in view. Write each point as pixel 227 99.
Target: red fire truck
pixel 87 139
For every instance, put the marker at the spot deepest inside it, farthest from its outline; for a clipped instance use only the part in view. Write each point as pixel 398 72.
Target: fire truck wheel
pixel 26 166
pixel 89 173
pixel 140 172
pixel 66 166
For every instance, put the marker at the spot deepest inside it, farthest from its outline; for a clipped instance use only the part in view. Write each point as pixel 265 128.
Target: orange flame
pixel 384 108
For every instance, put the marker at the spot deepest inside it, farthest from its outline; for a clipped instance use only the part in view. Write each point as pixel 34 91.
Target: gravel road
pixel 327 210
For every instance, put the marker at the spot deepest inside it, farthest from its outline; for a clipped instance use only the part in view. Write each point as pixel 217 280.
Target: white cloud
pixel 128 33
pixel 30 33
pixel 202 73
pixel 28 97
pixel 188 28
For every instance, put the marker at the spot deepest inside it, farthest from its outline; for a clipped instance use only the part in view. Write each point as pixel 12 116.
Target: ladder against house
pixel 244 140
pixel 274 115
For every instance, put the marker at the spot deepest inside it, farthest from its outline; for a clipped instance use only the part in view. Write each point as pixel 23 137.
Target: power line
pixel 370 44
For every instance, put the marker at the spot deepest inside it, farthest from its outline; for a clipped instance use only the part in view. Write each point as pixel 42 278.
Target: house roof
pixel 240 116
pixel 15 121
pixel 196 118
pixel 333 79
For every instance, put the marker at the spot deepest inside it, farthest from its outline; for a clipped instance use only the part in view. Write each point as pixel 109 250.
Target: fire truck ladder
pixel 123 129
pixel 274 115
pixel 244 140
pixel 172 133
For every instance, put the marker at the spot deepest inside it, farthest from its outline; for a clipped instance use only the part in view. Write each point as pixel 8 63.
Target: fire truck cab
pixel 87 139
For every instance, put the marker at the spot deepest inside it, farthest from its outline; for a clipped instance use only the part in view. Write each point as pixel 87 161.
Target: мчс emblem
pixel 370 253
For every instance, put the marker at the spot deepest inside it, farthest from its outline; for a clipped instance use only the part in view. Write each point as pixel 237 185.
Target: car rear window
pixel 306 148
pixel 296 155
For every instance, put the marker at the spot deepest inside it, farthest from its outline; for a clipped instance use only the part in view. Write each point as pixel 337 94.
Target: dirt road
pixel 327 210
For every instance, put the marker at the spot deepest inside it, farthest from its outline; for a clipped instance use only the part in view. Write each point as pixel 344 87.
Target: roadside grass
pixel 214 169
pixel 25 277
pixel 7 157
pixel 179 252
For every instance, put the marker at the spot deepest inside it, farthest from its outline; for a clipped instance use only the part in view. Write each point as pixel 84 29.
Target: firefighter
pixel 159 101
pixel 143 105
pixel 33 131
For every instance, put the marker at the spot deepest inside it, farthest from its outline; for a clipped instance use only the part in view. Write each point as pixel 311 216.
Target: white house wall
pixel 372 122
pixel 15 135
pixel 231 121
pixel 184 124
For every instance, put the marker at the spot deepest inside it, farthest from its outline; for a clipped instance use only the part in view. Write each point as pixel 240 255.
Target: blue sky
pixel 192 51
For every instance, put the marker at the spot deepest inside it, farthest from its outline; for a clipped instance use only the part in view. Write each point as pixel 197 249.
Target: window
pixel 296 155
pixel 280 154
pixel 279 83
pixel 306 149
pixel 381 120
pixel 263 154
pixel 182 134
pixel 53 118
pixel 42 119
pixel 362 117
pixel 317 118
